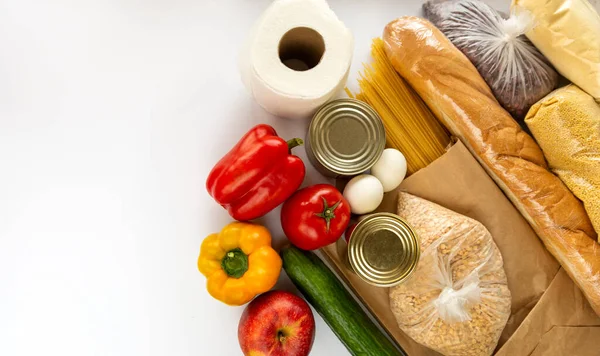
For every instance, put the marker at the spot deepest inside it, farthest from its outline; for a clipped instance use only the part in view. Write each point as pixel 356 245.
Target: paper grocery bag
pixel 561 323
pixel 457 181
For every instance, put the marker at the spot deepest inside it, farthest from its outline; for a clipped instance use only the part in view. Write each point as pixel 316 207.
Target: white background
pixel 112 113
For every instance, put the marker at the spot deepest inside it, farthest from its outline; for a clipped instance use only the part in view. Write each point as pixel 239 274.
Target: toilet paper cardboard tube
pixel 301 48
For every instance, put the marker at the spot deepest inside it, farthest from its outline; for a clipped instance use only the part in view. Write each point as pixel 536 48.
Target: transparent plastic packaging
pixel 458 96
pixel 457 301
pixel 518 74
pixel 566 125
pixel 567 32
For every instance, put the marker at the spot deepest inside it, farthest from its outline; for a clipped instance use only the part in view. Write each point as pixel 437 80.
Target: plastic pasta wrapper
pixel 457 301
pixel 566 125
pixel 518 74
pixel 457 95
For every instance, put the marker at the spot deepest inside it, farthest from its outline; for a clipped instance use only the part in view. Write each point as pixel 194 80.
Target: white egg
pixel 364 193
pixel 390 169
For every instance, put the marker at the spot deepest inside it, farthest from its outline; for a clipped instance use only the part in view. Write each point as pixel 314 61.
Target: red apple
pixel 277 323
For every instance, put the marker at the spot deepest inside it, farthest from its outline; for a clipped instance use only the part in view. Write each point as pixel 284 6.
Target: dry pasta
pixel 410 126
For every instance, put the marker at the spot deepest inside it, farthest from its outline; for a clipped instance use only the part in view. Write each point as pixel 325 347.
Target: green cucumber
pixel 331 300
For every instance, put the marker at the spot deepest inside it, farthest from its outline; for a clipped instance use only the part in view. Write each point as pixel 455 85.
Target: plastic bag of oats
pixel 457 301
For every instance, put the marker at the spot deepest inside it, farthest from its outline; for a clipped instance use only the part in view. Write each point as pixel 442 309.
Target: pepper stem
pixel 295 142
pixel 328 212
pixel 235 263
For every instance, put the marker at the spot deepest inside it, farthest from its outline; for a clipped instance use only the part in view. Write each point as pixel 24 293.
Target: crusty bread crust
pixel 462 101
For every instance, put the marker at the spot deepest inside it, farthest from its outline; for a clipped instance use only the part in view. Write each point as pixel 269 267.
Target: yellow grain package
pixel 566 124
pixel 567 32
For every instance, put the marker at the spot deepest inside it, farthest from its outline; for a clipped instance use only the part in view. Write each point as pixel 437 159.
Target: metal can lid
pixel 384 250
pixel 346 136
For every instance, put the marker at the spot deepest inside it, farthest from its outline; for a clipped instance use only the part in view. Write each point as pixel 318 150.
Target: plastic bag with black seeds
pixel 518 74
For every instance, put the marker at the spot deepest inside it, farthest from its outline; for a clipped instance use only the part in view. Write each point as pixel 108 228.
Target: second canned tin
pixel 383 249
pixel 346 137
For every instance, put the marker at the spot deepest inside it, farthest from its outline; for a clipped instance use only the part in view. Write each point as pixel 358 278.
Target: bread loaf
pixel 462 101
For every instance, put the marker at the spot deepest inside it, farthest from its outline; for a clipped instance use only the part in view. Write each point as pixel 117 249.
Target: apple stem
pixel 281 336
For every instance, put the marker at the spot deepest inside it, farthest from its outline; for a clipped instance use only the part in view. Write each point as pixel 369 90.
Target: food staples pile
pixel 471 74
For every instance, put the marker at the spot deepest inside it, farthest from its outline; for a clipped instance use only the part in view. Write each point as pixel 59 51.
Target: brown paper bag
pixel 561 323
pixel 457 182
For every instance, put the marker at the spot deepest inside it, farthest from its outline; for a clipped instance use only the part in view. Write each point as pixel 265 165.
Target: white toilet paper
pixel 296 58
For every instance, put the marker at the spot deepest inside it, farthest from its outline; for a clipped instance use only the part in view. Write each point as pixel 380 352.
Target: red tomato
pixel 315 216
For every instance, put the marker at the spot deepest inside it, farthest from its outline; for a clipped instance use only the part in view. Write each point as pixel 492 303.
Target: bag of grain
pixel 567 32
pixel 566 125
pixel 518 74
pixel 457 301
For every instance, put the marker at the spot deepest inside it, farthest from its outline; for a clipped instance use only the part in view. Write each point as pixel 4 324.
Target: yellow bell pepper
pixel 239 263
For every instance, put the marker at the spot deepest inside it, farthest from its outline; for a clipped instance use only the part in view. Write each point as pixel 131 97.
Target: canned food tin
pixel 346 137
pixel 383 250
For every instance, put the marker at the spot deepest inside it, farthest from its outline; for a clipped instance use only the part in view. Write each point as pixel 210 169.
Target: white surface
pixel 112 113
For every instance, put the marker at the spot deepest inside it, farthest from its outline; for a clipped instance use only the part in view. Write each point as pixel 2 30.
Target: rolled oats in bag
pixel 457 301
pixel 518 74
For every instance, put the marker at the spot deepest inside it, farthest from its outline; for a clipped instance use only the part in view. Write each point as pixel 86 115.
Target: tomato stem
pixel 328 212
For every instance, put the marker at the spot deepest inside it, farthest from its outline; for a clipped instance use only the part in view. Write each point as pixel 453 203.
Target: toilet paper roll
pixel 296 58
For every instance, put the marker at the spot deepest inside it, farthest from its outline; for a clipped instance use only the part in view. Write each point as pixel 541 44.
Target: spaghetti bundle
pixel 410 126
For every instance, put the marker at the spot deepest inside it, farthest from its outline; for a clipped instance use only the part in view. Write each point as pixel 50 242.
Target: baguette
pixel 462 101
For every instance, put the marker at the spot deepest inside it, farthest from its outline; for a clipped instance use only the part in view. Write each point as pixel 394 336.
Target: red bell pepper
pixel 257 175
